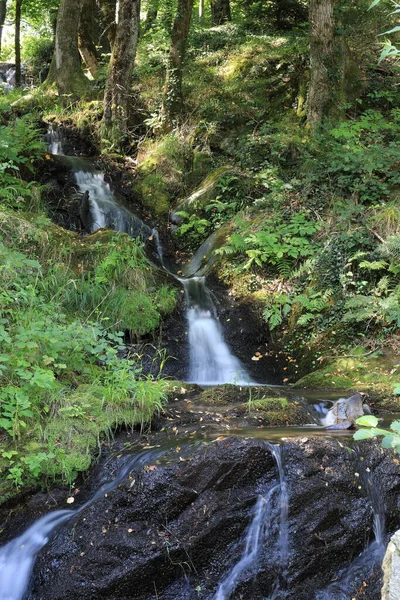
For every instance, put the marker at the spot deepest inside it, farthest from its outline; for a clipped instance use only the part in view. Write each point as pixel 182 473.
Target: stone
pixel 391 569
pixel 345 412
pixel 177 529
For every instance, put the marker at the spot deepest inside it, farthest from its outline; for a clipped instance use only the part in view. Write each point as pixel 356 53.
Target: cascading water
pixel 54 141
pixel 104 209
pixel 211 361
pixel 18 556
pixel 258 532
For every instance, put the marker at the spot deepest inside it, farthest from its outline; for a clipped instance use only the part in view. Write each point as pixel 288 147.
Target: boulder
pixel 345 411
pixel 174 531
pixel 391 569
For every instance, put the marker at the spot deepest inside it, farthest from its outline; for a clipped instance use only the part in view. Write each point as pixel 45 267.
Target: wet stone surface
pixel 174 531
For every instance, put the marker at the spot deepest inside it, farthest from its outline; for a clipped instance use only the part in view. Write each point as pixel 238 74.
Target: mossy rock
pixel 376 375
pixel 154 194
pixel 202 164
pixel 280 411
pixel 223 395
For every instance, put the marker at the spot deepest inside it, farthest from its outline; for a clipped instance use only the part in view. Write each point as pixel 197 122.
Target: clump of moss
pixel 154 194
pixel 376 374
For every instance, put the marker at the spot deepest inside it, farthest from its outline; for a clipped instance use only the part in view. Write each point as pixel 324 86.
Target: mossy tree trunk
pixel 151 16
pixel 172 95
pixel 108 13
pixel 117 95
pixel 323 61
pixel 70 79
pixel 220 11
pixel 87 35
pixel 18 11
pixel 3 13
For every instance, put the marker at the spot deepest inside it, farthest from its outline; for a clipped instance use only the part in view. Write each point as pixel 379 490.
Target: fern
pixel 375 265
pixel 285 268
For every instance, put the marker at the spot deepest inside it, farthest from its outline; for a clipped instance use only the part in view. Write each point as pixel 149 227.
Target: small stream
pixel 210 359
pixel 211 362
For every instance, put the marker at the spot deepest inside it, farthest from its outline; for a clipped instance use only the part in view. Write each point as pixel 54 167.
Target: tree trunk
pixel 322 60
pixel 87 35
pixel 70 78
pixel 108 11
pixel 3 13
pixel 220 12
pixel 18 9
pixel 172 96
pixel 119 79
pixel 151 17
pixel 201 10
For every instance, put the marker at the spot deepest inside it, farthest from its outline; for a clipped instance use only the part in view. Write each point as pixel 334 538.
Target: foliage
pixel 280 243
pixel 390 438
pixel 20 146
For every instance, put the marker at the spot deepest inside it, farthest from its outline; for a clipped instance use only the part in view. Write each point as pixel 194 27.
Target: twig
pixel 349 355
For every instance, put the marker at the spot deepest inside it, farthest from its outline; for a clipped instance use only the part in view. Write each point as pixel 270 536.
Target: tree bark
pixel 87 35
pixel 172 96
pixel 322 60
pixel 70 78
pixel 119 79
pixel 220 12
pixel 3 13
pixel 108 11
pixel 151 17
pixel 18 10
pixel 201 10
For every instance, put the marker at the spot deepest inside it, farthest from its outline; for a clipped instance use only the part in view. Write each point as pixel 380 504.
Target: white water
pixel 18 556
pixel 54 141
pixel 211 361
pixel 256 535
pixel 259 531
pixel 105 211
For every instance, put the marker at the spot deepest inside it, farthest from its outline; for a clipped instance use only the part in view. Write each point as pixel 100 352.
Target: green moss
pixel 376 374
pixel 268 404
pixel 154 194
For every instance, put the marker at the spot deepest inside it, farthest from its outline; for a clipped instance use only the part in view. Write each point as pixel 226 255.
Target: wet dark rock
pixel 172 532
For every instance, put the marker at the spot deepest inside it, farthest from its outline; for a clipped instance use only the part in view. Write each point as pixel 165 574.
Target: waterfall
pixel 17 558
pixel 211 361
pixel 105 212
pixel 53 140
pixel 259 530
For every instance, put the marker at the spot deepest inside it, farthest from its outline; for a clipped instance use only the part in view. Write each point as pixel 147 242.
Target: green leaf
pixel 367 421
pixel 363 434
pixel 395 426
pixel 387 441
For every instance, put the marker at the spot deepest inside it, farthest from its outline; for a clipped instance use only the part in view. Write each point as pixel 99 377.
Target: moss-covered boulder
pixel 376 374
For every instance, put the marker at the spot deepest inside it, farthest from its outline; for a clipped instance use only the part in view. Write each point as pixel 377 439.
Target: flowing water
pixel 17 558
pixel 258 531
pixel 373 554
pixel 210 359
pixel 211 362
